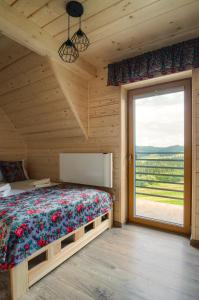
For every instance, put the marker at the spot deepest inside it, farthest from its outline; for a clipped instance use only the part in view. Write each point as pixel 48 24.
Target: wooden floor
pixel 131 263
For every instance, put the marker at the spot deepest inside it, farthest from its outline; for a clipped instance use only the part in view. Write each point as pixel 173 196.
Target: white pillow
pixel 24 169
pixel 5 190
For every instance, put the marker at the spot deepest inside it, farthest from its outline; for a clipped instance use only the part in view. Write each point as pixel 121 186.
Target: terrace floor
pixel 160 211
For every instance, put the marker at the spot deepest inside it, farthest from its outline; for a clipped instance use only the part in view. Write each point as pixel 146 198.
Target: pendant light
pixel 79 39
pixel 69 50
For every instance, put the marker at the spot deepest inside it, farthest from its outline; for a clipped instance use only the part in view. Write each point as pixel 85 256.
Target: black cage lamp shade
pixel 80 40
pixel 69 50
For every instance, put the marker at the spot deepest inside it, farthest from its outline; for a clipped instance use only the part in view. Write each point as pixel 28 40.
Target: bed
pixel 41 228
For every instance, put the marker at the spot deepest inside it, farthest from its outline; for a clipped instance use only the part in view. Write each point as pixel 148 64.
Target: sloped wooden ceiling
pixel 17 27
pixel 12 145
pixel 33 98
pixel 117 29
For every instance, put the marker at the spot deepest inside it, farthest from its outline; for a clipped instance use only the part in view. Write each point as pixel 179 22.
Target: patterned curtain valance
pixel 171 59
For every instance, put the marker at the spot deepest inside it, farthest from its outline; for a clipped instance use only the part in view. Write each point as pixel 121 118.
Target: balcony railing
pixel 159 176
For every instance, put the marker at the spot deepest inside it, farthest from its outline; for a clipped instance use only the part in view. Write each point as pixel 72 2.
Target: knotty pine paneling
pixel 10 51
pixel 35 110
pixel 195 155
pixel 32 98
pixel 75 90
pixel 12 146
pixel 104 136
pixel 122 28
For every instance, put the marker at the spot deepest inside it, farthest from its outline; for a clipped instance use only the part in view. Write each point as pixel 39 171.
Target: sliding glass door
pixel 160 156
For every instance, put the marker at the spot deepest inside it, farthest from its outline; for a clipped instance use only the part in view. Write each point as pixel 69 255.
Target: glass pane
pixel 159 156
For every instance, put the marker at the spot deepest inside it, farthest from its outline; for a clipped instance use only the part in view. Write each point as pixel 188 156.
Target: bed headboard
pixel 87 168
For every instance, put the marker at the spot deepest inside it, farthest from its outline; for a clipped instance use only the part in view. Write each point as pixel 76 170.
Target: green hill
pixel 175 148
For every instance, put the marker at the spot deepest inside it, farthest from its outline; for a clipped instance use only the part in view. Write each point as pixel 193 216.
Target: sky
pixel 160 120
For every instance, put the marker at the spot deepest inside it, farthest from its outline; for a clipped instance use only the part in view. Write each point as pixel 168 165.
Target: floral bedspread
pixel 31 220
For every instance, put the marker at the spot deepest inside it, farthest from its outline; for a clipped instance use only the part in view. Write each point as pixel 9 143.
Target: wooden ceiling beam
pixel 28 34
pixel 71 87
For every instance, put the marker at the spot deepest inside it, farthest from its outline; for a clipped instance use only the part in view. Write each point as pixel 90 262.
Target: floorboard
pixel 132 263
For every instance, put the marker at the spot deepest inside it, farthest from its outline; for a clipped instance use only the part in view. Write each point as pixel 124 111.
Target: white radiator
pixel 87 168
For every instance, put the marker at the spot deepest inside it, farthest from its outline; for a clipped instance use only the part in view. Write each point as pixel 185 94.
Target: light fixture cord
pixel 80 22
pixel 68 26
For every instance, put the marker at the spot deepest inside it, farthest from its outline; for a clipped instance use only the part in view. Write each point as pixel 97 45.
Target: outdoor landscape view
pixel 159 157
pixel 160 172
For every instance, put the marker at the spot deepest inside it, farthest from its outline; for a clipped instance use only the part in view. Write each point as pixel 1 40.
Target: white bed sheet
pixel 24 186
pixel 21 186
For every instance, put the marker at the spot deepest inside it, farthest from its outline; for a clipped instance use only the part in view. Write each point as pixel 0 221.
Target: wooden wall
pixel 39 116
pixel 49 109
pixel 195 155
pixel 32 98
pixel 104 136
pixel 12 145
pixel 75 90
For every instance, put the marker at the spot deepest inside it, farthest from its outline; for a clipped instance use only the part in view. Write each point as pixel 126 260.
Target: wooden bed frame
pixel 40 263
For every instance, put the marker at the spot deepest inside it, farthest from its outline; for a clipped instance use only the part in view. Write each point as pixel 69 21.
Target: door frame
pixel 186 229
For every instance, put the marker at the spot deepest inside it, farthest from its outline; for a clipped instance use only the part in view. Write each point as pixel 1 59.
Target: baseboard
pixel 117 224
pixel 194 243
